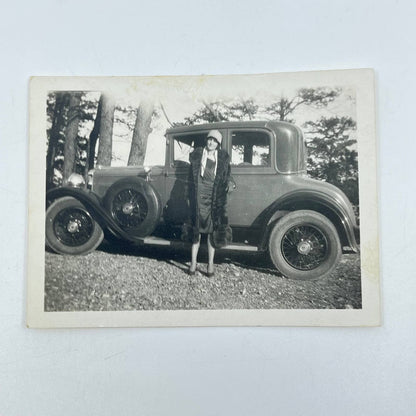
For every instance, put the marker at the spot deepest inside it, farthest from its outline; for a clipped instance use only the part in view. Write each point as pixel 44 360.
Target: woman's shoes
pixel 210 273
pixel 192 271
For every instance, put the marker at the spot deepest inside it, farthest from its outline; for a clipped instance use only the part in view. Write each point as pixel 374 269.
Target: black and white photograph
pixel 195 194
pixel 207 208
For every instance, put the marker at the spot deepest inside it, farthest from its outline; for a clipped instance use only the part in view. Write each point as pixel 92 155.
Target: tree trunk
pixel 71 133
pixel 106 131
pixel 282 110
pixel 140 134
pixel 92 142
pixel 57 124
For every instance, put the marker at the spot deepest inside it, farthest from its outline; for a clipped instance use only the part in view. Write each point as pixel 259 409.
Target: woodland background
pixel 282 370
pixel 83 126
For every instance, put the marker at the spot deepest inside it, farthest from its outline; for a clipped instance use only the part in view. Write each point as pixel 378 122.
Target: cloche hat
pixel 215 134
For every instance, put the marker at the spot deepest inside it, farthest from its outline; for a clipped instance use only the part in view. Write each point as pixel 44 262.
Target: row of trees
pixel 331 146
pixel 71 150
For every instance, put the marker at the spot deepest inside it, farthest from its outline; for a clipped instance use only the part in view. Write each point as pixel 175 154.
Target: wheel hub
pixel 128 208
pixel 304 247
pixel 73 227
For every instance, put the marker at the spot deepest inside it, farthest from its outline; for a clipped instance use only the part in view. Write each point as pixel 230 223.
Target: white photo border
pixel 362 80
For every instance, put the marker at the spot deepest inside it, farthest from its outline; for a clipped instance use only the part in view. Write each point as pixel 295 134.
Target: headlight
pixel 148 171
pixel 76 180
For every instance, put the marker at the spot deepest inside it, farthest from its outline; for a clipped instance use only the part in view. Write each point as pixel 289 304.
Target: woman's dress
pixel 205 187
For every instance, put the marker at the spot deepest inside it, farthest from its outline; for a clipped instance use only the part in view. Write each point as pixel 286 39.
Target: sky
pixel 183 96
pixel 177 108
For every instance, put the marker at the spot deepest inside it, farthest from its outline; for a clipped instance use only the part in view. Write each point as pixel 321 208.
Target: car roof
pixel 273 125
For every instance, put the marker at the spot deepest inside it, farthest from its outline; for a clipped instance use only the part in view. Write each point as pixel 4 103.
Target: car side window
pixel 184 144
pixel 250 148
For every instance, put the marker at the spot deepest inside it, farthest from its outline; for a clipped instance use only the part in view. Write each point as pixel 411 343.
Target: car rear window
pixel 250 148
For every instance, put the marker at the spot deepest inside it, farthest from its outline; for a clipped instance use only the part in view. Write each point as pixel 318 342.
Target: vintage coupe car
pixel 272 204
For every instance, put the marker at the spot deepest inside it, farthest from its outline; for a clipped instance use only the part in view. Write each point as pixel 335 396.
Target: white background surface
pixel 212 371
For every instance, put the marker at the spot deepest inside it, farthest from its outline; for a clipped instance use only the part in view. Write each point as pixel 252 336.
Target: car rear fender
pixel 93 204
pixel 317 201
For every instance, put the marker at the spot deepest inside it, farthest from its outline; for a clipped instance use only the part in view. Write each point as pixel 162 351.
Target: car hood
pixel 124 171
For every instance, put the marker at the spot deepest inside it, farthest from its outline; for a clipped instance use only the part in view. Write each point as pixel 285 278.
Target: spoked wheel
pixel 304 245
pixel 70 229
pixel 134 205
pixel 129 208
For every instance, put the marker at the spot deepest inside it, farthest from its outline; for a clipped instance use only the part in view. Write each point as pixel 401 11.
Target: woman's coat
pixel 222 232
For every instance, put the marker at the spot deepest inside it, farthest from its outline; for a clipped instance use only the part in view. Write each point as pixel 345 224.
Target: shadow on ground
pixel 180 257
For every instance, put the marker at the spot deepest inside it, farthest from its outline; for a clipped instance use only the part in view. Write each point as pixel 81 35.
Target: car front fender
pixel 93 204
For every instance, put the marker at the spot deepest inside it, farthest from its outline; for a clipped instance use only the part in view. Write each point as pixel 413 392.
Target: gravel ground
pixel 154 278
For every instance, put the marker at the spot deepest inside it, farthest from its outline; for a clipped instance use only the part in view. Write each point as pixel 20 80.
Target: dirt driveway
pixel 145 278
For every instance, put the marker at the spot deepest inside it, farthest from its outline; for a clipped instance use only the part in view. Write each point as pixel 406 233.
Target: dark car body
pixel 268 187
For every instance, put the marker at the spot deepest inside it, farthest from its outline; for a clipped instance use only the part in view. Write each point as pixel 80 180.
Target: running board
pixel 239 247
pixel 157 241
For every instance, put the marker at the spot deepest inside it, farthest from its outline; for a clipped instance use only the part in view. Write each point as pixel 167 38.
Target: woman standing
pixel 208 186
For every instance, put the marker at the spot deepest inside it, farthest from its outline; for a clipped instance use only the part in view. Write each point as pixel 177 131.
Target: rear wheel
pixel 70 229
pixel 304 245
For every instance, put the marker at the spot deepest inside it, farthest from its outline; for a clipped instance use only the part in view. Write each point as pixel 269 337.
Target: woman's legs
pixel 211 253
pixel 194 254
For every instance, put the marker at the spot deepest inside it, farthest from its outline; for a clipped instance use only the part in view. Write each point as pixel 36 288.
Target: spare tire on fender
pixel 134 205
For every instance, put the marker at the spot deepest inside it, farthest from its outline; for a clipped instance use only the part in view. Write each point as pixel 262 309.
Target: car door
pixel 180 145
pixel 254 174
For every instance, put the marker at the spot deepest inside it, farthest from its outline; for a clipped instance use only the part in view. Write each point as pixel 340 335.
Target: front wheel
pixel 70 229
pixel 304 245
